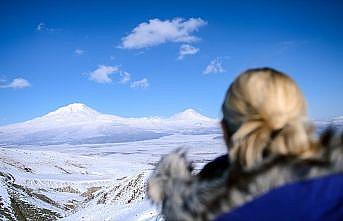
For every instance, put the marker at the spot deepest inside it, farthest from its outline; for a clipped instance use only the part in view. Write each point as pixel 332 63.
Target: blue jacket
pixel 319 199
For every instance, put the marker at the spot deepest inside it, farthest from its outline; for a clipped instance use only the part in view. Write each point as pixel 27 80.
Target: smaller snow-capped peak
pixel 190 114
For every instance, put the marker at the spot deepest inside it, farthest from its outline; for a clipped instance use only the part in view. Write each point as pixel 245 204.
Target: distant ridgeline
pixel 80 124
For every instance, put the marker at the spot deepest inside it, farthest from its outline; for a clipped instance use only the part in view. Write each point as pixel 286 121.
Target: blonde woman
pixel 270 146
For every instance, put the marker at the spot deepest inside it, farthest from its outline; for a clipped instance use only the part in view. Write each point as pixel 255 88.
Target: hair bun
pixel 259 102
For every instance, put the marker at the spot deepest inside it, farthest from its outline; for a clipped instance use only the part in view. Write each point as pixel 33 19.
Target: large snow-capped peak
pixel 74 109
pixel 69 114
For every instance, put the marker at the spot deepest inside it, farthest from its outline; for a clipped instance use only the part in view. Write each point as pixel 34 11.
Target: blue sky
pixel 136 58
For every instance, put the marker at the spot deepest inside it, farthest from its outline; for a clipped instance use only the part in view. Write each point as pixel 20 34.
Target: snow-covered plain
pixel 46 176
pixel 78 164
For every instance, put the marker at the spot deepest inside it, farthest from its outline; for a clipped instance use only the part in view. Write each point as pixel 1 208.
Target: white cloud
pixel 156 31
pixel 40 26
pixel 187 49
pixel 17 83
pixel 125 77
pixel 79 51
pixel 102 73
pixel 144 83
pixel 214 67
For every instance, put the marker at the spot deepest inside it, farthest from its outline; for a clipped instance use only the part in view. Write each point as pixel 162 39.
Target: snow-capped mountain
pixel 77 123
pixel 76 112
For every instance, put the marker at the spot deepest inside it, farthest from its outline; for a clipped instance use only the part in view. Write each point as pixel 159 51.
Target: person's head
pixel 264 113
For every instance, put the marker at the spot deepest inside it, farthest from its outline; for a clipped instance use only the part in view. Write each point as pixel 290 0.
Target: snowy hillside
pixel 78 124
pixel 92 182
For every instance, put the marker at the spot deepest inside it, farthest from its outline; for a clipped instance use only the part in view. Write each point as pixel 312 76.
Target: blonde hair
pixel 265 112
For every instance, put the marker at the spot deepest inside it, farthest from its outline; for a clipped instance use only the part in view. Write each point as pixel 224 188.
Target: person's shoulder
pixel 314 199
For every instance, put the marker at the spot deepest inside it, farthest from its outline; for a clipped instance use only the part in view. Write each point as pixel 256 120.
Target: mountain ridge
pixel 77 123
pixel 83 112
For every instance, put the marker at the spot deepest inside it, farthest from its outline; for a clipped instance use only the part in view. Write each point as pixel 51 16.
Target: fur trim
pixel 173 166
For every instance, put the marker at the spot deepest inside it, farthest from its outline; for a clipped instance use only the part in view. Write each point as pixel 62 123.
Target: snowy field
pixel 97 181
